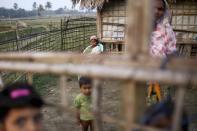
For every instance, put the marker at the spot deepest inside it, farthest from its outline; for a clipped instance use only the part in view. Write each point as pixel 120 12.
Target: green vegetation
pixel 7 35
pixel 5 28
pixel 44 82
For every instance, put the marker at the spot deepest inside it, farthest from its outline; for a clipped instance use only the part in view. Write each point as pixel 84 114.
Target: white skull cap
pixel 93 37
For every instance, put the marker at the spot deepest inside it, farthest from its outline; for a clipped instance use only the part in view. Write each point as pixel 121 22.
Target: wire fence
pixel 72 35
pixel 76 33
pixel 44 41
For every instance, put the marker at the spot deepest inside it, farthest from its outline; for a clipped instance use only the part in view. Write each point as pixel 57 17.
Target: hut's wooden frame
pixel 134 66
pixel 179 8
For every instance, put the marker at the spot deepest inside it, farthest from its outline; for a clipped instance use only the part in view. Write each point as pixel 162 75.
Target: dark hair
pixel 165 108
pixel 164 4
pixel 85 81
pixel 18 95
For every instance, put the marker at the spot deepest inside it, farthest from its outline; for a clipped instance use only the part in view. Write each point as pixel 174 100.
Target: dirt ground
pixel 55 120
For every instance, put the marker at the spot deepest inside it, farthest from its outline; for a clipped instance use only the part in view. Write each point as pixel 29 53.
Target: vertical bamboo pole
pixel 63 92
pixel 30 78
pixel 97 101
pixel 137 39
pixel 17 39
pixel 178 109
pixel 84 34
pixel 1 83
pixel 99 24
pixel 129 101
pixel 139 26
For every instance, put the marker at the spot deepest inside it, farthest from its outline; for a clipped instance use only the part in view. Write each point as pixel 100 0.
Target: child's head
pixel 85 85
pixel 20 108
pixel 161 116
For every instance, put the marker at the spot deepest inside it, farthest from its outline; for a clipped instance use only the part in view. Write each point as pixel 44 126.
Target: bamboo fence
pixel 134 66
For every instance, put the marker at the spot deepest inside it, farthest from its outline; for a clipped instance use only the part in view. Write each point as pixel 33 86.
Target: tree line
pixel 37 10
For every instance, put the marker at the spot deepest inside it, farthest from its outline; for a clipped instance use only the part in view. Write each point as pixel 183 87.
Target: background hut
pixel 111 20
pixel 184 22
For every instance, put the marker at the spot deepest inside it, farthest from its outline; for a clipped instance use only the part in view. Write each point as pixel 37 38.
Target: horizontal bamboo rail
pixel 186 42
pixel 185 31
pixel 113 41
pixel 184 14
pixel 100 71
pixel 105 59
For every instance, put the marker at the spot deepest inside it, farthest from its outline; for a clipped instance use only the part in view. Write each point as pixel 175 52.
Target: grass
pixel 44 82
pixel 7 35
pixel 35 25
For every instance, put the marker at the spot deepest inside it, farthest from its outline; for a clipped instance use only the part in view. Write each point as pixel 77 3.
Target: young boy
pixel 82 103
pixel 20 108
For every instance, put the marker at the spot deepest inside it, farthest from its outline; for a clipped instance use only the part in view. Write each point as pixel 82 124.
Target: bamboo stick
pixel 186 42
pixel 1 83
pixel 139 28
pixel 178 109
pixel 99 24
pixel 63 93
pixel 96 101
pixel 59 58
pixel 123 73
pixel 129 101
pixel 185 14
pixel 137 39
pixel 30 78
pixel 185 31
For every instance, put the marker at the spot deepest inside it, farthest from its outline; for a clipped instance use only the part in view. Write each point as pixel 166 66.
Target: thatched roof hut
pixel 100 3
pixel 111 20
pixel 90 3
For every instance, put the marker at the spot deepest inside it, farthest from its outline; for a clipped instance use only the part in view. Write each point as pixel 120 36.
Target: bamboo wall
pixel 112 24
pixel 112 17
pixel 113 20
pixel 184 22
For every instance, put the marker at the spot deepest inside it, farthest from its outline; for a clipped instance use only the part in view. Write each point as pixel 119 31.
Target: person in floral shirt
pixel 162 42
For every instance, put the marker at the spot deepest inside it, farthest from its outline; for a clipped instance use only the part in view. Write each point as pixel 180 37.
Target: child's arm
pixel 78 117
pixel 77 105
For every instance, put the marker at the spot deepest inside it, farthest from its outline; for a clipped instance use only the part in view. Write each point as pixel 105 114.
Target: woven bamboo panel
pixel 185 21
pixel 113 20
pixel 185 18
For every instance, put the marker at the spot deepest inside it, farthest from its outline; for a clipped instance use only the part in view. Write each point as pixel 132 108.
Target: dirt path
pixel 57 121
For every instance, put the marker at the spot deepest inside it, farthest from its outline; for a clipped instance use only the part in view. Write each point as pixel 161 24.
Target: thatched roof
pixel 91 4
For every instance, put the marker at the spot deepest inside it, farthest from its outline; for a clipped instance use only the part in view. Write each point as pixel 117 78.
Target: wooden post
pixel 139 26
pixel 63 93
pixel 1 83
pixel 129 100
pixel 30 78
pixel 17 38
pixel 137 39
pixel 178 109
pixel 61 35
pixel 96 101
pixel 84 35
pixel 99 24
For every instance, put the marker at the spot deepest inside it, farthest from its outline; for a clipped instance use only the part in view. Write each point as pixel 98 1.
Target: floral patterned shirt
pixel 163 41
